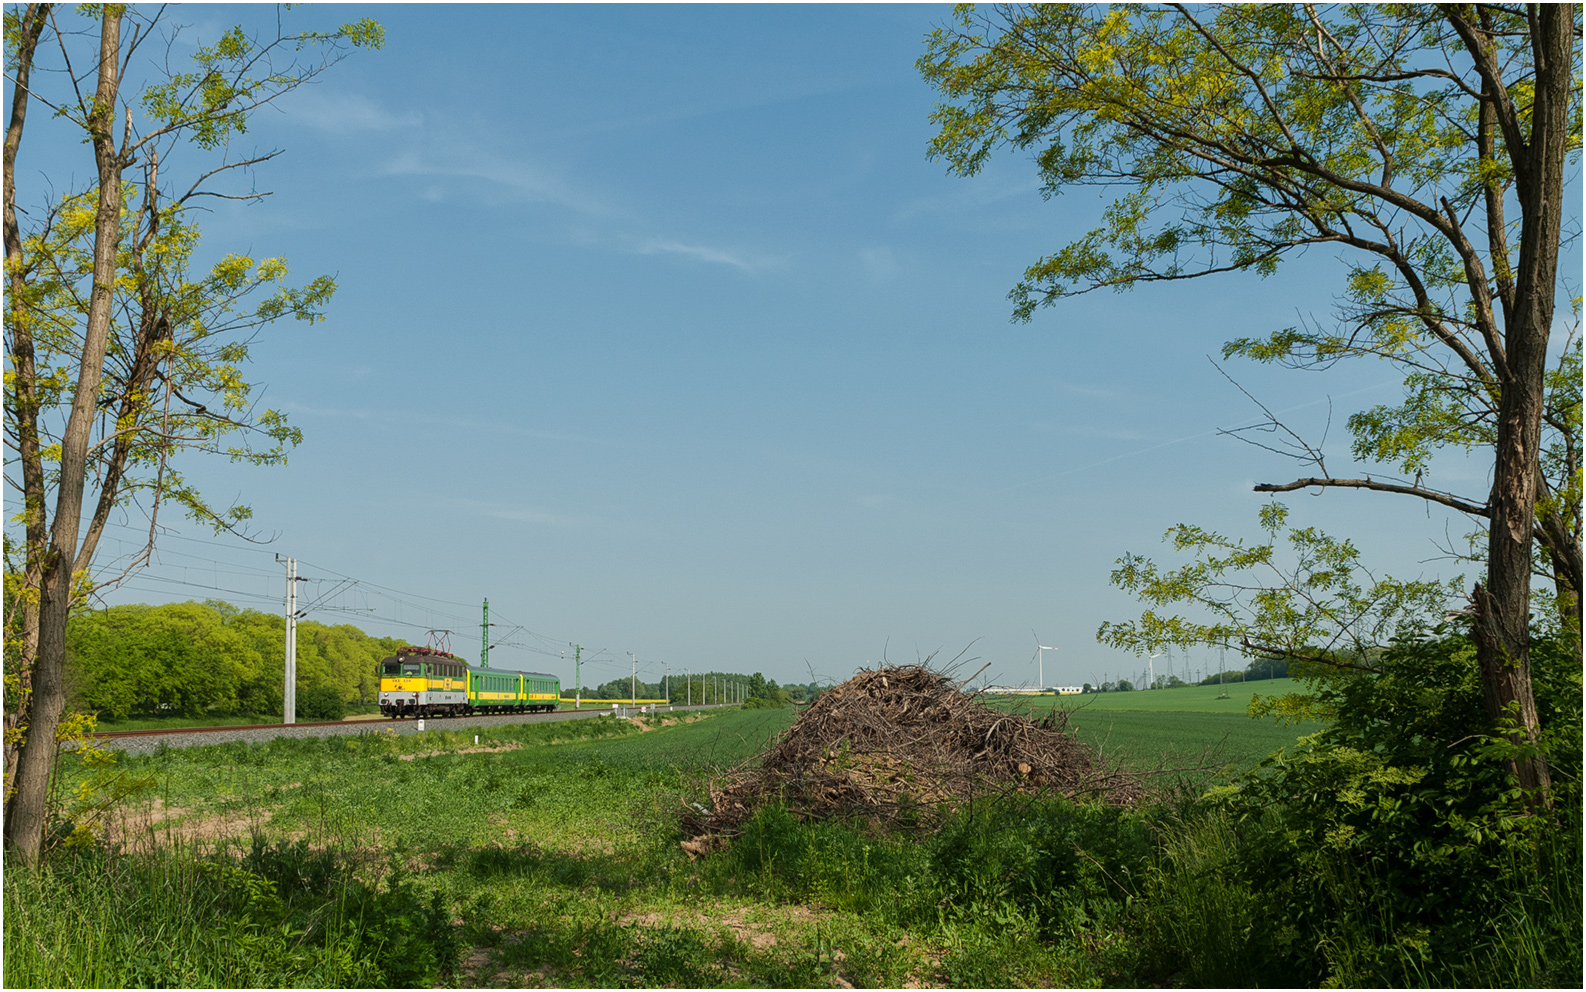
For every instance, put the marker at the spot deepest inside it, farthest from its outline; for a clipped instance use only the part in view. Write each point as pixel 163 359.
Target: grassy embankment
pixel 355 712
pixel 547 855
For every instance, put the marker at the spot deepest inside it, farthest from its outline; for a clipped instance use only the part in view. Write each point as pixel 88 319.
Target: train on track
pixel 427 682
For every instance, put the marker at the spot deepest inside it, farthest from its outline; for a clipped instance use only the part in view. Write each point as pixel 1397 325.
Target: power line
pixel 400 597
pixel 165 535
pixel 327 601
pixel 196 585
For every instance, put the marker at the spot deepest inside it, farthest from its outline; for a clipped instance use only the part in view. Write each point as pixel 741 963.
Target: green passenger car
pixel 425 682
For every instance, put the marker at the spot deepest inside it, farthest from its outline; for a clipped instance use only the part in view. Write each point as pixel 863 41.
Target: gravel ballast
pixel 260 735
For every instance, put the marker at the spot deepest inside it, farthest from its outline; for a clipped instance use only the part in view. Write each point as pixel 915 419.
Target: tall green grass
pixel 268 915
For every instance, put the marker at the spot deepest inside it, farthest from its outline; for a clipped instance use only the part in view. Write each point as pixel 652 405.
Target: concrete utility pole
pixel 289 683
pixel 484 638
pixel 578 698
pixel 668 692
pixel 633 677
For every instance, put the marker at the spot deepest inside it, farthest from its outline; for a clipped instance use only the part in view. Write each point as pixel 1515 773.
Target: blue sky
pixel 657 327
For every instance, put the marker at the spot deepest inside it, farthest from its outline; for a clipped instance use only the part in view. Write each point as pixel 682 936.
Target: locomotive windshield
pixel 410 668
pixel 389 668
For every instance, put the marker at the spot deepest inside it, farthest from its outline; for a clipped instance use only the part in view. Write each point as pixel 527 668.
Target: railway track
pixel 144 740
pixel 163 731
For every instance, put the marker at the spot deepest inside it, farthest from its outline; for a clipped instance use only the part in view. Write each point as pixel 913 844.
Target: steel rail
pixel 588 711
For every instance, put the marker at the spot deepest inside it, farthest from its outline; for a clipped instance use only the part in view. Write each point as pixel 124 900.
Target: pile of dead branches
pixel 901 746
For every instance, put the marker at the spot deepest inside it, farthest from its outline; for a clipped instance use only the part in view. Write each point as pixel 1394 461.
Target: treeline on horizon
pixel 707 687
pixel 1259 669
pixel 191 659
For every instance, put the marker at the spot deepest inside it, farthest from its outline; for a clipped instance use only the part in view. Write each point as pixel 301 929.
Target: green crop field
pixel 1169 741
pixel 1197 730
pixel 1233 698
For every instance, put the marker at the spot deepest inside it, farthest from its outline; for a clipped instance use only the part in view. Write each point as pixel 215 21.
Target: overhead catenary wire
pixel 402 608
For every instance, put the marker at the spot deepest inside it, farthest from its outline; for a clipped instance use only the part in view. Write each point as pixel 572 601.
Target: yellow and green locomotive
pixel 426 682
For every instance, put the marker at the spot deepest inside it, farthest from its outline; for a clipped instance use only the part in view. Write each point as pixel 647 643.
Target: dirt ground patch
pixel 756 932
pixel 156 823
pixel 507 746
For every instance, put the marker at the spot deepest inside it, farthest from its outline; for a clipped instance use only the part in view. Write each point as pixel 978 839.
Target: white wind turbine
pixel 1040 652
pixel 1151 669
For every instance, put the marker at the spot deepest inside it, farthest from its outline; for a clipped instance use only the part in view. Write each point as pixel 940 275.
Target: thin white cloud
pixel 742 261
pixel 525 181
pixel 342 113
pixel 971 197
pixel 517 180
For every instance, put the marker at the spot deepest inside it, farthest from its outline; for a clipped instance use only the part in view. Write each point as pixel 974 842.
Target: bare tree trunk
pixel 28 809
pixel 1566 583
pixel 24 416
pixel 1503 608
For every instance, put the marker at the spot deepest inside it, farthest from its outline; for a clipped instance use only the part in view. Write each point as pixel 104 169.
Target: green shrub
pixel 1379 850
pixel 320 703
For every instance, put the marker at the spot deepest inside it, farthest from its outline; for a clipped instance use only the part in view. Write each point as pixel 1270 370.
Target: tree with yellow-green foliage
pixel 121 355
pixel 193 659
pixel 1426 145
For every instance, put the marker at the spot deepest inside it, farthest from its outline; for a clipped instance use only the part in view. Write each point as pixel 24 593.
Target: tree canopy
pixel 194 659
pixel 1426 145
